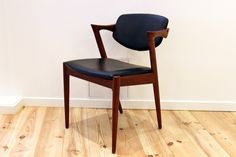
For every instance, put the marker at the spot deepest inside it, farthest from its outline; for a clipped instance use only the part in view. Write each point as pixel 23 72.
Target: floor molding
pixel 11 105
pixel 134 104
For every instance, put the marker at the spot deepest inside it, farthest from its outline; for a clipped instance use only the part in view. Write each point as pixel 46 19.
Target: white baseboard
pixel 10 104
pixel 134 104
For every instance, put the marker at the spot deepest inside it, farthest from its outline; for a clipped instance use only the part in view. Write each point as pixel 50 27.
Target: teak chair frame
pixel 118 81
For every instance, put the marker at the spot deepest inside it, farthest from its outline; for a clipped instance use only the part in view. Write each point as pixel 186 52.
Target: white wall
pixel 196 61
pixel 3 55
pixel 7 84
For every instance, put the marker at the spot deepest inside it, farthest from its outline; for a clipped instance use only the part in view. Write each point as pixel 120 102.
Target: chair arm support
pixel 162 33
pixel 151 41
pixel 103 27
pixel 96 31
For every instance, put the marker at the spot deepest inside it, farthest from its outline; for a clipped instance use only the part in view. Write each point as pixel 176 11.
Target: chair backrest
pixel 131 30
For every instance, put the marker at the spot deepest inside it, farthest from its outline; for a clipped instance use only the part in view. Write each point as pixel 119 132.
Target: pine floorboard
pixel 40 132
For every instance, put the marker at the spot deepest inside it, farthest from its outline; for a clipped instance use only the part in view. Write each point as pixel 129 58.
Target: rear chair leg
pixel 157 103
pixel 120 108
pixel 66 95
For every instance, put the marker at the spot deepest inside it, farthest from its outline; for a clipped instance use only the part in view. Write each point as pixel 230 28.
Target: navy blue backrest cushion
pixel 131 30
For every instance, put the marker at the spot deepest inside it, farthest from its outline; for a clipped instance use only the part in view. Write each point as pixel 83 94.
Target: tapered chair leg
pixel 157 103
pixel 66 95
pixel 120 108
pixel 115 107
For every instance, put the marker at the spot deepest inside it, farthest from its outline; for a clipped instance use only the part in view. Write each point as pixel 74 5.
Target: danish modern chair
pixel 138 32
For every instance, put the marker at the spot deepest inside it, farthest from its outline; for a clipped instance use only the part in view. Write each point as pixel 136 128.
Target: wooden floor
pixel 39 132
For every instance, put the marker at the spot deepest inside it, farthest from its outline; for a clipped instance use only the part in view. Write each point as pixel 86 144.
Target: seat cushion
pixel 106 68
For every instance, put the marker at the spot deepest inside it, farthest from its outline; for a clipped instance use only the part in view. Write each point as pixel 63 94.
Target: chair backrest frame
pixel 152 35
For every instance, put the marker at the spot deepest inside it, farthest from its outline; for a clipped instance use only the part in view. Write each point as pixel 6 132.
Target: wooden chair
pixel 139 32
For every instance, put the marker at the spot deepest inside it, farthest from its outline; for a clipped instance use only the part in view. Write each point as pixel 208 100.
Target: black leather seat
pixel 106 67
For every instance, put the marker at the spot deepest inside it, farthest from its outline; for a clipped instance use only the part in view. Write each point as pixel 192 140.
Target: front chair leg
pixel 115 107
pixel 157 103
pixel 66 95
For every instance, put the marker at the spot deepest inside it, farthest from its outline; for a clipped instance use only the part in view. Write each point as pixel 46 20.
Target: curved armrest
pixel 162 33
pixel 105 27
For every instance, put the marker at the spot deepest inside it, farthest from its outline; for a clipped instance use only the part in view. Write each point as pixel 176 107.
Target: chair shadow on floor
pixel 96 129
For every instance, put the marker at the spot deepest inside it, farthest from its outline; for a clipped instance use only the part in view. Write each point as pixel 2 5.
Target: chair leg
pixel 115 107
pixel 66 95
pixel 157 103
pixel 120 108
